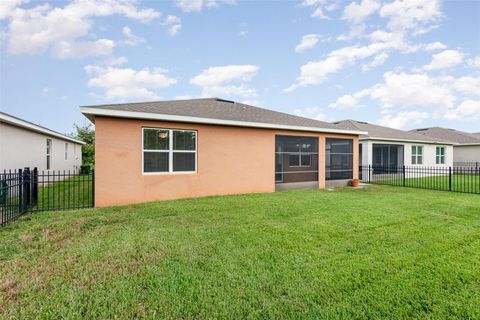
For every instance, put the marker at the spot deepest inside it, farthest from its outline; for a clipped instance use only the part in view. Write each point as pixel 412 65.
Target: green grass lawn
pixel 381 252
pixel 469 183
pixel 73 192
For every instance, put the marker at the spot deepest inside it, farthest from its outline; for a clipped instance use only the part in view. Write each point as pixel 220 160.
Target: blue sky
pixel 405 64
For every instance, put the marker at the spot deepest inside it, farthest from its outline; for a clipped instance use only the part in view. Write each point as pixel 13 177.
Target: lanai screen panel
pixel 296 159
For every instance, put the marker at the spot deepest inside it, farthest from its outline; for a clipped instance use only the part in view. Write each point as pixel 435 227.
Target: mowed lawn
pixel 382 252
pixel 469 183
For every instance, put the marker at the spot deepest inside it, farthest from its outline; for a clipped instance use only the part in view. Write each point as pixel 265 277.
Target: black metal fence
pixel 26 190
pixel 454 179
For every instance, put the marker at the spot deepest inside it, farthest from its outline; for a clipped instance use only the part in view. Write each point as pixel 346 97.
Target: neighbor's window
pixel 417 154
pixel 167 150
pixel 49 153
pixel 440 155
pixel 339 159
pixel 66 151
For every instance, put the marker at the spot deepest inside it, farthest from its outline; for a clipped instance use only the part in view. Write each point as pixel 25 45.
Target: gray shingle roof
pixel 215 108
pixel 379 132
pixel 452 135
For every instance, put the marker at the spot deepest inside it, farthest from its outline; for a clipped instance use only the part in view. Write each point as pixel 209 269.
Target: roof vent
pixel 363 122
pixel 224 100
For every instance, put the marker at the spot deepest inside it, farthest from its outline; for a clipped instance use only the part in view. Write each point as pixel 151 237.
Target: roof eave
pixel 14 121
pixel 90 113
pixel 406 140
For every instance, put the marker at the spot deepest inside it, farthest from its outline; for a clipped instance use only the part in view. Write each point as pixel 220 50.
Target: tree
pixel 86 133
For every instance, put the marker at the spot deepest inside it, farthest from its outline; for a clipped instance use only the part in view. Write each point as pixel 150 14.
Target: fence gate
pixel 26 190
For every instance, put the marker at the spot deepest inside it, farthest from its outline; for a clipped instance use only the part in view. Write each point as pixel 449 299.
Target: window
pixel 339 159
pixel 299 160
pixel 66 151
pixel 166 150
pixel 440 155
pixel 417 154
pixel 49 153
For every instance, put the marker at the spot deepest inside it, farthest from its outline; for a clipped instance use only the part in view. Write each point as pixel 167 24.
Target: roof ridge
pixel 153 101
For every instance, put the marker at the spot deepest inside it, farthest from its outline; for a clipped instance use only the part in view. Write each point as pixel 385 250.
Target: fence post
pixel 449 178
pixel 20 190
pixel 403 171
pixel 35 186
pixel 26 185
pixel 93 188
pixel 369 172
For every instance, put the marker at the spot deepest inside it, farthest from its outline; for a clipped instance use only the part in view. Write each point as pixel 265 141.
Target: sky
pixel 399 63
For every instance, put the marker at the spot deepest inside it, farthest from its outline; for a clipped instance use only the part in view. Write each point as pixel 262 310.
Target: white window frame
pixel 170 152
pixel 66 150
pixel 416 154
pixel 48 153
pixel 442 158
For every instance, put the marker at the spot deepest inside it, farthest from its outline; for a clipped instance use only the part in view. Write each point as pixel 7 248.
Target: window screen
pixel 339 159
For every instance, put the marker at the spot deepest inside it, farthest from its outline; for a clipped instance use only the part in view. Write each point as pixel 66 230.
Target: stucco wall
pixel 230 160
pixel 21 148
pixel 429 153
pixel 466 154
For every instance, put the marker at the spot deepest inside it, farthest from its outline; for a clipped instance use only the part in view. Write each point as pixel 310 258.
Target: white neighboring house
pixel 387 147
pixel 25 144
pixel 466 148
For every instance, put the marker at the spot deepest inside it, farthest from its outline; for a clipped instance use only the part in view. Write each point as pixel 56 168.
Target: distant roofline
pixel 15 121
pixel 91 111
pixel 408 140
pixel 368 137
pixel 462 133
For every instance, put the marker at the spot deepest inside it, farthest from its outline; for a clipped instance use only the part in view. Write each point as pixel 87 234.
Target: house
pixel 466 148
pixel 393 148
pixel 190 148
pixel 25 144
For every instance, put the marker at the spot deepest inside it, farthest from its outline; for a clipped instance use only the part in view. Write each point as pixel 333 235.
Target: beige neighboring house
pixel 25 144
pixel 466 146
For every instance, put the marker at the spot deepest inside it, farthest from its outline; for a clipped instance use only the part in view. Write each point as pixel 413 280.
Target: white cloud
pixel 131 39
pixel 315 72
pixel 467 85
pixel 308 42
pixel 474 62
pixel 358 12
pixel 467 110
pixel 173 24
pixel 437 96
pixel 401 119
pixel 445 59
pixel 312 113
pixel 63 31
pixel 350 101
pixel 226 80
pixel 128 84
pixel 435 46
pixel 417 15
pixel 198 5
pixel 406 90
pixel 378 60
pixel 320 6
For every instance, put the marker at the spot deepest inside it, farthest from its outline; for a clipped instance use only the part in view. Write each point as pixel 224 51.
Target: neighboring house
pixel 190 148
pixel 387 147
pixel 25 144
pixel 466 148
